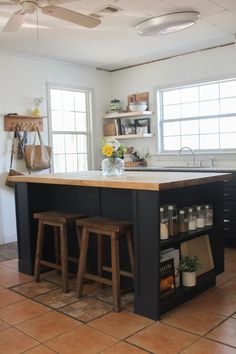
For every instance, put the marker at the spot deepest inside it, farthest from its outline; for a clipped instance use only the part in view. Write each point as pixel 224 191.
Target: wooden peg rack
pixel 27 123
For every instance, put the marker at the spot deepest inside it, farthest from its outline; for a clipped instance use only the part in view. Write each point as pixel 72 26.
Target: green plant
pixel 189 264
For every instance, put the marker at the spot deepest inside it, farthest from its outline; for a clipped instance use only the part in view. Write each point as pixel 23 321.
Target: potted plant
pixel 189 266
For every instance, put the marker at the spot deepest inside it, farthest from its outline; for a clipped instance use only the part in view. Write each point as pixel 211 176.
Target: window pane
pixel 71 162
pixel 57 121
pixel 58 141
pixel 172 112
pixel 228 141
pixel 56 99
pixel 191 141
pixel 190 110
pixel 80 101
pixel 228 89
pixel 209 141
pixel 70 141
pixel 209 126
pixel 59 163
pixel 83 162
pixel 228 124
pixel 172 128
pixel 228 105
pixel 190 127
pixel 171 97
pixel 81 122
pixel 209 108
pixel 68 100
pixel 172 143
pixel 69 121
pixel 189 94
pixel 82 143
pixel 209 92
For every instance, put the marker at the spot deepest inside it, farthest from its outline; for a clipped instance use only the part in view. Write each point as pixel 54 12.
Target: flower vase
pixel 36 112
pixel 112 166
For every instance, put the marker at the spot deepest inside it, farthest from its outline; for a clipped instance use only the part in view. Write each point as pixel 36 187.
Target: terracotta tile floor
pixel 38 318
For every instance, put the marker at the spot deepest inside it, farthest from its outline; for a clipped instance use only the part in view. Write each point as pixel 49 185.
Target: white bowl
pixel 138 106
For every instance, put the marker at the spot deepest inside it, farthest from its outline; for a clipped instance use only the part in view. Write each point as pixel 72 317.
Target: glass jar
pixel 112 166
pixel 201 215
pixel 172 220
pixel 183 221
pixel 192 219
pixel 208 215
pixel 164 232
pixel 115 105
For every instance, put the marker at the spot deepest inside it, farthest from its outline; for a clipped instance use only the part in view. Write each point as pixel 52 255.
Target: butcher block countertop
pixel 129 180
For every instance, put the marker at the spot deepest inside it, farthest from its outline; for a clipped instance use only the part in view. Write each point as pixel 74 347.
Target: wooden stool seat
pixel 101 226
pixel 59 221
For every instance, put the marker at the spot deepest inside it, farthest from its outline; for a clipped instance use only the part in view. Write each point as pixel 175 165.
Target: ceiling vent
pixel 108 10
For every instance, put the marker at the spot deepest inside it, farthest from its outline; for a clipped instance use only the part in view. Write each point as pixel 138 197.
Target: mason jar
pixel 183 221
pixel 164 231
pixel 173 220
pixel 192 219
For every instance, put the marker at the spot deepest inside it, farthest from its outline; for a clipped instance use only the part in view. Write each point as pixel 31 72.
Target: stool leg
pixel 39 248
pixel 130 251
pixel 57 245
pixel 115 270
pixel 82 262
pixel 100 258
pixel 64 258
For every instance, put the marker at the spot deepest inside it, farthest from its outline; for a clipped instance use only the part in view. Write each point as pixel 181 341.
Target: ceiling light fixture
pixel 166 24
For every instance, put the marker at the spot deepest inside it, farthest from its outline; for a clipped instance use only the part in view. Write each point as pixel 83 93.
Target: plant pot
pixel 189 278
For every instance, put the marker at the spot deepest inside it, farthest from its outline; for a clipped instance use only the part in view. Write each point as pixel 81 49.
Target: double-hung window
pixel 70 111
pixel 202 117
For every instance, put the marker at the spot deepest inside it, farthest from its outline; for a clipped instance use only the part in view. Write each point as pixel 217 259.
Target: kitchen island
pixel 135 196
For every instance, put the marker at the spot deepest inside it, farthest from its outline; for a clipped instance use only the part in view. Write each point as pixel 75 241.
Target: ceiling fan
pixel 48 7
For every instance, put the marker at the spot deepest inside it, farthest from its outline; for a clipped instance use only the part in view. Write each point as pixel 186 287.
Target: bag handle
pixel 39 136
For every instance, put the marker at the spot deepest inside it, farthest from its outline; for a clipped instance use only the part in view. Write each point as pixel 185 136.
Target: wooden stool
pixel 59 221
pixel 108 227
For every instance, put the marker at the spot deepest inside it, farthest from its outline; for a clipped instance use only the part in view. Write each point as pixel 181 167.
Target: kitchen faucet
pixel 192 152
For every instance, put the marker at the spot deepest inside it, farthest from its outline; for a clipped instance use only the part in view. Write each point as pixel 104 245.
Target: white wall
pixel 195 67
pixel 24 78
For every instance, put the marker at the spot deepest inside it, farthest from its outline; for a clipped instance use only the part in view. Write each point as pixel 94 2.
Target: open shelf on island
pixel 176 240
pixel 183 293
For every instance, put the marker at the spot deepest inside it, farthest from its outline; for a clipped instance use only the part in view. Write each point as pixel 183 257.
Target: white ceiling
pixel 115 43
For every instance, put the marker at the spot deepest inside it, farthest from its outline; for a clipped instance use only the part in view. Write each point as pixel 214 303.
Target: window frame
pixel 89 110
pixel 160 116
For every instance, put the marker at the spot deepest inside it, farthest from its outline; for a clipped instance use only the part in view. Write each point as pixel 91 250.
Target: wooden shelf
pixel 131 136
pixel 127 114
pixel 28 123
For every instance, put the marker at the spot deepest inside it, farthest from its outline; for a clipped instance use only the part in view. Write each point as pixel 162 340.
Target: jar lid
pixel 190 210
pixel 181 211
pixel 170 207
pixel 198 207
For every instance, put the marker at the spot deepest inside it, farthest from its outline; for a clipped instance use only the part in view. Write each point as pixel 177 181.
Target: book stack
pixel 172 253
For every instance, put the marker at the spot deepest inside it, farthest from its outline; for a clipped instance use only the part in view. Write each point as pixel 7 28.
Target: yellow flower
pixel 107 150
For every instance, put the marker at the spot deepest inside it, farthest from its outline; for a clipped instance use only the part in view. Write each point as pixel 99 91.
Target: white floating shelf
pixel 126 114
pixel 130 136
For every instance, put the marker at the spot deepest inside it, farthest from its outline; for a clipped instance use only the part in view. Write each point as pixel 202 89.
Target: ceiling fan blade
pixel 71 16
pixel 58 2
pixel 14 22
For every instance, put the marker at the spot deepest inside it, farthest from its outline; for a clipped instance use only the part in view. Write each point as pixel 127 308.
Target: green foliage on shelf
pixel 189 264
